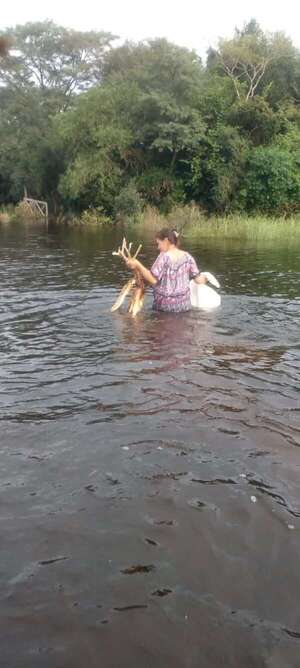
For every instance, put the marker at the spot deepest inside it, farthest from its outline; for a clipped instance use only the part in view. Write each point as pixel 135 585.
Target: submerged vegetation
pixel 140 132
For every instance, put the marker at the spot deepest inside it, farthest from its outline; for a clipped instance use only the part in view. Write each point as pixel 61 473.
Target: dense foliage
pixel 86 124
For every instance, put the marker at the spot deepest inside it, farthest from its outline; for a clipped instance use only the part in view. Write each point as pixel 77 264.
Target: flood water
pixel 150 507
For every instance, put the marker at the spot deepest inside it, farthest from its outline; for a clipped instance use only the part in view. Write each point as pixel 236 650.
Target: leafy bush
pixel 94 216
pixel 160 188
pixel 272 181
pixel 128 203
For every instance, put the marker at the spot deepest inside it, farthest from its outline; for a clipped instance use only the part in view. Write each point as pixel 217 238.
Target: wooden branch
pixel 125 251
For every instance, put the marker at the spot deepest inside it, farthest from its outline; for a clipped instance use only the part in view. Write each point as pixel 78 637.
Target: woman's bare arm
pixel 201 279
pixel 136 265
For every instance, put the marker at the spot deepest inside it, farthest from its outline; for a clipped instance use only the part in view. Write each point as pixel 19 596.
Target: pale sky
pixel 191 23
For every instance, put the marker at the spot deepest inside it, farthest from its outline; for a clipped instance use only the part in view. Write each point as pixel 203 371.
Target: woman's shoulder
pixel 162 257
pixel 190 259
pixel 183 253
pixel 178 261
pixel 179 255
pixel 184 257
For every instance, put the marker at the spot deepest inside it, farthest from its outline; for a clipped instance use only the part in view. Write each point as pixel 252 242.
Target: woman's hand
pixel 136 265
pixel 201 279
pixel 132 263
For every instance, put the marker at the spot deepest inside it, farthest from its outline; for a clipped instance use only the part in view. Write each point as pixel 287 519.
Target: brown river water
pixel 149 480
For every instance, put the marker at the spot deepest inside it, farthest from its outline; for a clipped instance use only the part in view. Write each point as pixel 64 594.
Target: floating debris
pixel 215 481
pixel 150 541
pixel 253 499
pixel 162 592
pixel 293 634
pixel 46 562
pixel 201 505
pixel 131 570
pixel 125 608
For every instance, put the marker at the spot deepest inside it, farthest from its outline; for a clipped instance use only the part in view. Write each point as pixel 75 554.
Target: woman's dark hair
pixel 167 233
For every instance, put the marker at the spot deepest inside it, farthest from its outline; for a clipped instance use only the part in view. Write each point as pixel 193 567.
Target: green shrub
pixel 272 181
pixel 94 216
pixel 128 204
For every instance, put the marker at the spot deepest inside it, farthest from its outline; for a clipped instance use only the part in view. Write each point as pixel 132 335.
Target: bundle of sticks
pixel 136 285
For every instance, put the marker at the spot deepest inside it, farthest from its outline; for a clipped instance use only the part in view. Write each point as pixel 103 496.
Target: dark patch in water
pixel 131 570
pixel 46 562
pixel 292 634
pixel 197 504
pixel 125 608
pixel 200 505
pixel 231 432
pixel 258 483
pixel 39 459
pixel 282 502
pixel 90 488
pixel 165 476
pixel 162 592
pixel 216 481
pixel 111 480
pixel 265 488
pixel 150 541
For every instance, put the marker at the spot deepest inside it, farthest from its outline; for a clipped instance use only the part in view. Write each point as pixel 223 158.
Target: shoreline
pixel 189 221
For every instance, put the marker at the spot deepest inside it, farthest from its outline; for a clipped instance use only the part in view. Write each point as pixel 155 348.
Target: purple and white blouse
pixel 172 291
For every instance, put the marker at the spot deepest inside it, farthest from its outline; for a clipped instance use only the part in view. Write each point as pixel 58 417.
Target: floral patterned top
pixel 172 292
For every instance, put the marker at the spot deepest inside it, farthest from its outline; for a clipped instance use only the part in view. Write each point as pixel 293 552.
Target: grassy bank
pixel 7 213
pixel 189 220
pixel 12 213
pixel 192 223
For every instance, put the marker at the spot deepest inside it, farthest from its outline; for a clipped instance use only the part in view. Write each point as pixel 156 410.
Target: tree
pixel 167 119
pixel 282 80
pixel 156 65
pixel 169 130
pixel 56 60
pixel 217 170
pixel 216 97
pixel 96 136
pixel 86 125
pixel 247 57
pixel 256 120
pixel 30 152
pixel 45 69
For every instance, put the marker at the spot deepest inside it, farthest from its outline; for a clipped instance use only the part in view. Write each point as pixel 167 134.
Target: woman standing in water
pixel 170 274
